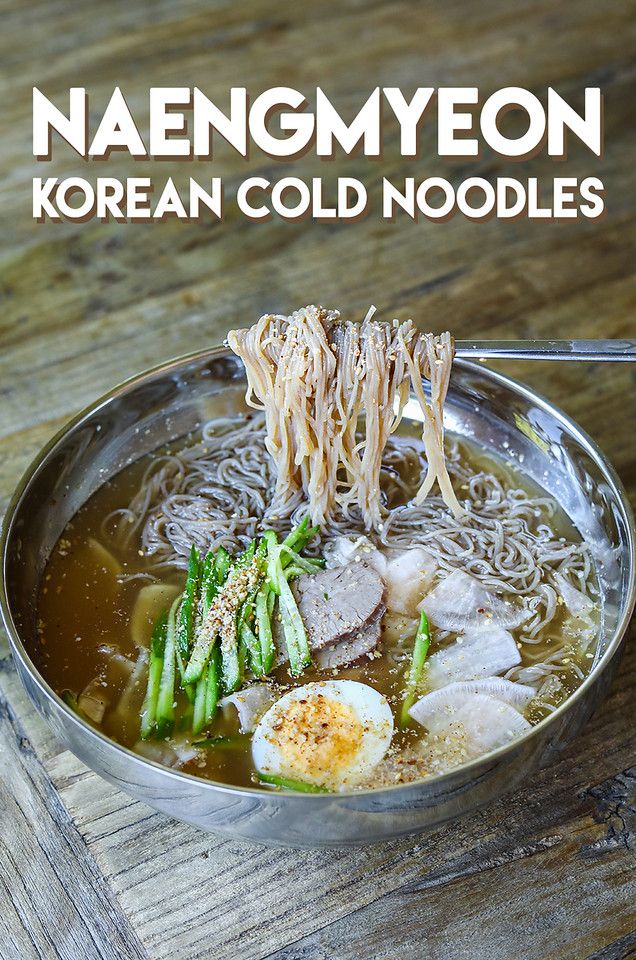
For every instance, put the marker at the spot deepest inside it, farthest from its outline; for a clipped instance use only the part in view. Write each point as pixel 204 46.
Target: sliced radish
pixel 577 603
pixel 459 601
pixel 341 551
pixel 471 723
pixel 480 652
pixel 250 703
pixel 517 695
pixel 408 575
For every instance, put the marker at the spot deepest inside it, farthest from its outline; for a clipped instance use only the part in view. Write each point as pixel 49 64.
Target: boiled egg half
pixel 331 733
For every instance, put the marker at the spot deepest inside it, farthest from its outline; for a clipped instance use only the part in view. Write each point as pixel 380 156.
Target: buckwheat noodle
pixel 330 395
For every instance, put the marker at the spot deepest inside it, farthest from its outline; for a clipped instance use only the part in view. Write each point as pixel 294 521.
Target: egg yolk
pixel 318 736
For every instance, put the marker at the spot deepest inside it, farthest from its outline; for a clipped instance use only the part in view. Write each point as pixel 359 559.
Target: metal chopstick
pixel 617 350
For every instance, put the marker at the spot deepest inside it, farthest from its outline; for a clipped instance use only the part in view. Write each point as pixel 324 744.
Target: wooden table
pixel 87 873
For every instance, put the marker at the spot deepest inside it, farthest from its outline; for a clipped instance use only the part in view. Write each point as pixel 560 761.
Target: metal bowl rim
pixel 19 650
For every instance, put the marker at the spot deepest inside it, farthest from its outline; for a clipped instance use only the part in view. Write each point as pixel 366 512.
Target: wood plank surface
pixel 548 872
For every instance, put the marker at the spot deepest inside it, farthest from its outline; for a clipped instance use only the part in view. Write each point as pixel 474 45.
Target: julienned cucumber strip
pixel 246 616
pixel 186 619
pixel 299 537
pixel 293 627
pixel 212 685
pixel 215 570
pixel 213 574
pixel 165 699
pixel 231 668
pixel 273 560
pixel 155 669
pixel 265 636
pixel 158 639
pixel 203 709
pixel 200 654
pixel 297 533
pixel 203 644
pixel 294 559
pixel 187 610
pixel 288 600
pixel 208 589
pixel 252 646
pixel 232 658
pixel 291 640
pixel 198 715
pixel 286 783
pixel 244 558
pixel 420 649
pixel 209 586
pixel 292 572
pixel 221 565
pixel 187 685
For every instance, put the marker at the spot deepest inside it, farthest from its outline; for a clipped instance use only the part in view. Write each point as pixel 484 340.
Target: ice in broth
pixel 408 634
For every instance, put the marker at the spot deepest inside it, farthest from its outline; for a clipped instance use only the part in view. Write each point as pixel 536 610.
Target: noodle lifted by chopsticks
pixel 319 380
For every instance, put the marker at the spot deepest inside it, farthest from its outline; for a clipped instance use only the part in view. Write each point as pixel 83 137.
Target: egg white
pixel 330 733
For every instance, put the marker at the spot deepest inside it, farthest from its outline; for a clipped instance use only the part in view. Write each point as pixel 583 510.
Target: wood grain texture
pixel 55 900
pixel 548 872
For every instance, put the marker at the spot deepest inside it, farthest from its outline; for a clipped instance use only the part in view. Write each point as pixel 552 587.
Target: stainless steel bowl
pixel 166 403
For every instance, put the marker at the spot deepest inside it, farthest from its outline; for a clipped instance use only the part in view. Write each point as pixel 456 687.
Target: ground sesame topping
pixel 221 617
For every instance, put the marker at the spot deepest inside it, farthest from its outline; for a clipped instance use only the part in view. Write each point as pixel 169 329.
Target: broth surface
pixel 99 600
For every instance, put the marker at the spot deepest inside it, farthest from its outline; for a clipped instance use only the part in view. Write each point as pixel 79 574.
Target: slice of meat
pixel 348 651
pixel 342 609
pixel 337 604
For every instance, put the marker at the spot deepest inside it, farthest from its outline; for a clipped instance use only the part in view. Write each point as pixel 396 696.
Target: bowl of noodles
pixel 322 585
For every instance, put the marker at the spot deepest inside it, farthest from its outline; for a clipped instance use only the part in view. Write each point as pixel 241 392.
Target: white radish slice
pixel 175 754
pixel 480 652
pixel 342 551
pixel 134 688
pixel 250 703
pixel 151 601
pixel 517 695
pixel 459 601
pixel 474 723
pixel 93 700
pixel 103 557
pixel 101 571
pixel 117 668
pixel 579 628
pixel 577 603
pixel 409 574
